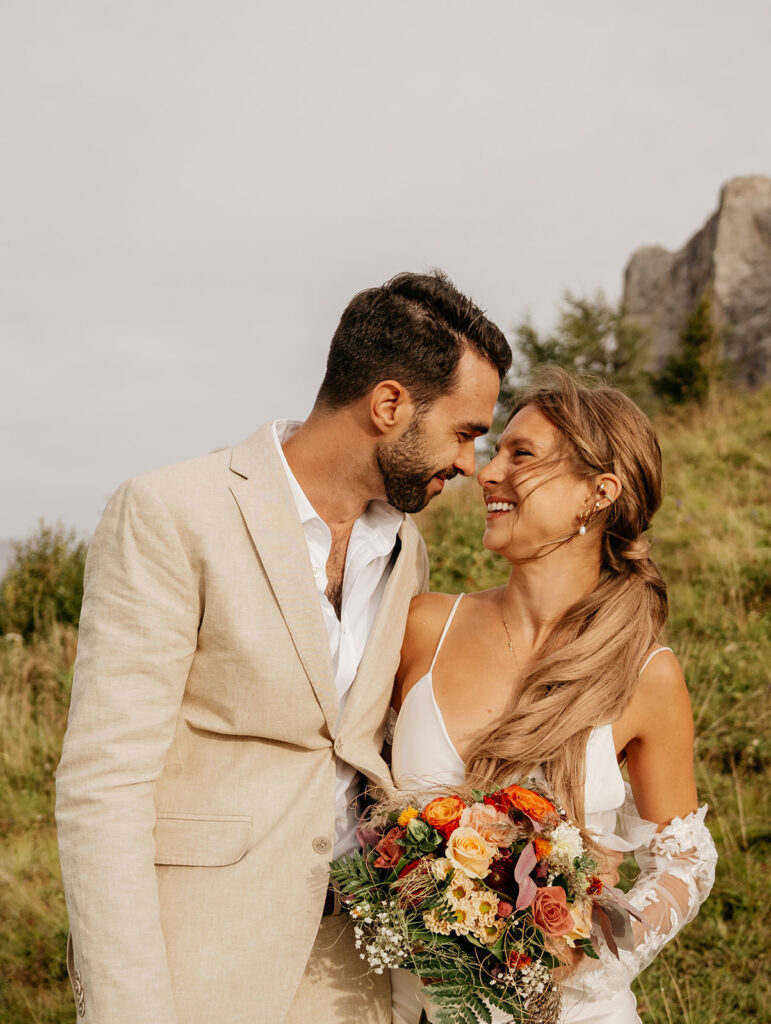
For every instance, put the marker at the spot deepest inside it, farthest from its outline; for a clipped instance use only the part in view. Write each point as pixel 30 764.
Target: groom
pixel 240 632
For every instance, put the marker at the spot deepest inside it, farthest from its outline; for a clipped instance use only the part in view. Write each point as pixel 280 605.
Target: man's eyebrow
pixel 474 428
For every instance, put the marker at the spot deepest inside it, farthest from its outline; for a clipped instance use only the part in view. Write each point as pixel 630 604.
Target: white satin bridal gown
pixel 677 865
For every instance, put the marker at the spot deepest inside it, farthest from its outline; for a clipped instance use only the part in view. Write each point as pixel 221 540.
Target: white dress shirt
pixel 368 564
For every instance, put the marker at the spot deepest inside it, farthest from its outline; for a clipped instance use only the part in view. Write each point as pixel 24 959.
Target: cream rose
pixel 582 922
pixel 467 850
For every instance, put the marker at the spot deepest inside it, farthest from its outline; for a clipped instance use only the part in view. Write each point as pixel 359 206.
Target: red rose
pixel 550 910
pixel 409 867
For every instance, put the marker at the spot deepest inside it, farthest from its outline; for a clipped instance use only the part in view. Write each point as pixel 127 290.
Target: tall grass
pixel 35 681
pixel 712 542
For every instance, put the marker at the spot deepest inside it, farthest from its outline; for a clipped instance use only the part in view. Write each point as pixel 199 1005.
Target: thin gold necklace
pixel 508 638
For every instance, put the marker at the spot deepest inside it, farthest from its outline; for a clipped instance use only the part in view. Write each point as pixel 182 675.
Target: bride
pixel 559 674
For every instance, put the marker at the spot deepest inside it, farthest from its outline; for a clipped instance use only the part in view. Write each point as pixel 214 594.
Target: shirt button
pixel 321 844
pixel 316 573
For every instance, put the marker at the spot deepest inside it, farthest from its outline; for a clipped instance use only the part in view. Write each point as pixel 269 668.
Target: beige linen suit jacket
pixel 195 795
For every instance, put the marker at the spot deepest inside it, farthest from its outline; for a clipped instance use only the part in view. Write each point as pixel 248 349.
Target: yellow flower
pixel 406 816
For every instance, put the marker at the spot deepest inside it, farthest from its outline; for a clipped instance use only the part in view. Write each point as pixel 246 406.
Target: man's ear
pixel 390 407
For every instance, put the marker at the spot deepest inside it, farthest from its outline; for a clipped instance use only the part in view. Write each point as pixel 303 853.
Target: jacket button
pixel 321 844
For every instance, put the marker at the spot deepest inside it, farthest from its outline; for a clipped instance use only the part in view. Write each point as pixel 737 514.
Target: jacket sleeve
pixel 138 634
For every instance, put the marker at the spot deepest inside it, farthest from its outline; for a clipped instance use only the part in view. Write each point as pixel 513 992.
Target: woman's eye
pixel 522 451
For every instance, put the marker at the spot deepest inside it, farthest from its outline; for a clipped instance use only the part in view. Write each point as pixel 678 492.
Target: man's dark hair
pixel 413 329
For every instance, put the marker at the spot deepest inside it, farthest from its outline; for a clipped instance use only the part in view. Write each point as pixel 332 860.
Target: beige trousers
pixel 336 987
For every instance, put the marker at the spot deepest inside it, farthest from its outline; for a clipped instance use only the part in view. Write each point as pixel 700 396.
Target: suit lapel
pixel 261 489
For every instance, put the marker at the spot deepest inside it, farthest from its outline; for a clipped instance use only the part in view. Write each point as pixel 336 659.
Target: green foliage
pixel 690 372
pixel 591 336
pixel 44 582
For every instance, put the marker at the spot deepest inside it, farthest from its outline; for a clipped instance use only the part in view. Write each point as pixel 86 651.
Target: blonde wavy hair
pixel 589 664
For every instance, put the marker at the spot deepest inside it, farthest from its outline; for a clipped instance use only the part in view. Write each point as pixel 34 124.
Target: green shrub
pixel 690 372
pixel 44 582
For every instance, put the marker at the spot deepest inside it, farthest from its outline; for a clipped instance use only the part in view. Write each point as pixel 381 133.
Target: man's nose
pixel 467 459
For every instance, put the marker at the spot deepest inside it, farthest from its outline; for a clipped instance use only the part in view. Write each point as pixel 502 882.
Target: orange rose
pixel 444 813
pixel 534 806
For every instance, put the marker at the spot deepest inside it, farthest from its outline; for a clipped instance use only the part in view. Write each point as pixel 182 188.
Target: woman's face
pixel 533 497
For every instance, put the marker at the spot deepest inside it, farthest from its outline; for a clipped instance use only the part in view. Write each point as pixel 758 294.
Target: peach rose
pixel 467 850
pixel 550 911
pixel 495 828
pixel 444 813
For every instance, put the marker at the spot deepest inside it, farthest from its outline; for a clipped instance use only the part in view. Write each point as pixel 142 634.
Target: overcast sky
pixel 191 191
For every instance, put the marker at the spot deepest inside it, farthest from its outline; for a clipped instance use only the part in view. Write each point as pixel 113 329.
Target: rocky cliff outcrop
pixel 730 259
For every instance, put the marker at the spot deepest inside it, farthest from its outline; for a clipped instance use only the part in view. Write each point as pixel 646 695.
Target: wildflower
pixel 519 960
pixel 488 934
pixel 436 923
pixel 407 815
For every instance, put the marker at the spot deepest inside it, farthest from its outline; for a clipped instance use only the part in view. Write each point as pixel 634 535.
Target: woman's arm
pixel 658 739
pixel 677 863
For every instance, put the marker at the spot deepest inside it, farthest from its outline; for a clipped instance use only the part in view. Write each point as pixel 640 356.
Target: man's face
pixel 438 443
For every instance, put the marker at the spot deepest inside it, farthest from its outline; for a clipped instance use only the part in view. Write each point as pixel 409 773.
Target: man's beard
pixel 407 469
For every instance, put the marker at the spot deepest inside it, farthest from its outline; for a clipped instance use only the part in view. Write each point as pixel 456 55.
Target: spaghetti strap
pixel 444 631
pixel 653 655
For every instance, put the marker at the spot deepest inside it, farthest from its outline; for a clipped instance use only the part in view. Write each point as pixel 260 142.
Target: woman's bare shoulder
pixel 425 622
pixel 661 705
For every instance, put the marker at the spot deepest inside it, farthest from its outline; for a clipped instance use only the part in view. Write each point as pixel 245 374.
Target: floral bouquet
pixel 482 899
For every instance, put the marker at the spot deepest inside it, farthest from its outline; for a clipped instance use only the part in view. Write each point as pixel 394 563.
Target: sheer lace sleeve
pixel 677 871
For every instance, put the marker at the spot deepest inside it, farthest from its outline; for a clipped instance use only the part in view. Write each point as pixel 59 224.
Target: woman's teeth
pixel 501 506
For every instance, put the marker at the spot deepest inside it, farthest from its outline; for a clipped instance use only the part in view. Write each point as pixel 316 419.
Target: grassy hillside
pixel 712 541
